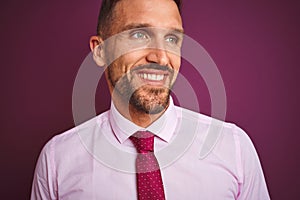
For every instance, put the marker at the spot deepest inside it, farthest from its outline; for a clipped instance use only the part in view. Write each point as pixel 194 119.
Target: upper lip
pixel 153 69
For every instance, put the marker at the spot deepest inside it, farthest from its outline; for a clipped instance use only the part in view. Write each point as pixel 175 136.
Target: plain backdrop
pixel 255 45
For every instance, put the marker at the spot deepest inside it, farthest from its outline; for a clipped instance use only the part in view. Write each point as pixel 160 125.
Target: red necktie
pixel 149 182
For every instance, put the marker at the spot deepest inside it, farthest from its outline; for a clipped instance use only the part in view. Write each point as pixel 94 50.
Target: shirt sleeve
pixel 43 186
pixel 252 182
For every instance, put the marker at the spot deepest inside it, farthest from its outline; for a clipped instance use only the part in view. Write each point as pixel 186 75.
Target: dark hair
pixel 106 16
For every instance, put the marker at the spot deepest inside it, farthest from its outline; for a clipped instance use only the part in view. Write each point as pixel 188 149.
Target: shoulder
pixel 70 139
pixel 215 134
pixel 226 128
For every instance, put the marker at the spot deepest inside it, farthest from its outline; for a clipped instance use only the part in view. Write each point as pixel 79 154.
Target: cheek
pixel 132 59
pixel 115 70
pixel 120 67
pixel 175 62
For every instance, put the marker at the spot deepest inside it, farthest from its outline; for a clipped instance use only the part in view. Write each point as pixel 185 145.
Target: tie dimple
pixel 149 181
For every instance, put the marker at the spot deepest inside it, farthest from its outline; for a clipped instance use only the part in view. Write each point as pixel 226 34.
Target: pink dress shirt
pixel 201 158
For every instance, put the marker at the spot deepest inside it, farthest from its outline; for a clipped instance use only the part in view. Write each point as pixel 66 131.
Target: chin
pixel 151 101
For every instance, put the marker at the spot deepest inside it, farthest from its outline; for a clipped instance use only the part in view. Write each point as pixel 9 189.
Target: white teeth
pixel 160 77
pixel 152 77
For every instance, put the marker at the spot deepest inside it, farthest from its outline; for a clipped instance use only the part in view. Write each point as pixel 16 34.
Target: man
pixel 111 156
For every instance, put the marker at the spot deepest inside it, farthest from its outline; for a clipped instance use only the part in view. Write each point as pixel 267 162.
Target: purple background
pixel 254 44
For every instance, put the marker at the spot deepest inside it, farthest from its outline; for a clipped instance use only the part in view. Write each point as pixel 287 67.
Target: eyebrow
pixel 145 25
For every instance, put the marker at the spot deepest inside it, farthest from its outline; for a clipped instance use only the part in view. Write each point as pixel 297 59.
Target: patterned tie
pixel 149 182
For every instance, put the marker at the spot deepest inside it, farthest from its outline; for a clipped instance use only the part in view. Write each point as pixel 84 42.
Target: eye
pixel 139 35
pixel 172 39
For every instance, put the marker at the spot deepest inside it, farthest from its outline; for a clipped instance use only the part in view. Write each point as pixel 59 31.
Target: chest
pixel 186 178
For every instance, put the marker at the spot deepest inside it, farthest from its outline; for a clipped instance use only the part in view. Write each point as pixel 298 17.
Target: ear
pixel 96 44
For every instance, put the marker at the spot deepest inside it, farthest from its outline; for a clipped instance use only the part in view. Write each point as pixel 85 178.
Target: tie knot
pixel 143 141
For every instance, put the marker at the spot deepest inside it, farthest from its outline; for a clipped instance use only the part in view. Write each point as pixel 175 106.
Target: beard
pixel 144 98
pixel 153 101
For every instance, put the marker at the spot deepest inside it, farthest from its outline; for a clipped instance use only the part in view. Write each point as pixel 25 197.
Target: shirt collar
pixel 163 127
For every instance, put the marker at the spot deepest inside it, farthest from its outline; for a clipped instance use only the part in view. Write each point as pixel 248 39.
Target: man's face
pixel 144 52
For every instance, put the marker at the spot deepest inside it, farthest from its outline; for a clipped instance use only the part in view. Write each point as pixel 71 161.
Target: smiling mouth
pixel 153 74
pixel 151 77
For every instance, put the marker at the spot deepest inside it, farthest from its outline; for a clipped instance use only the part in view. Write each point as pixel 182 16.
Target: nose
pixel 158 55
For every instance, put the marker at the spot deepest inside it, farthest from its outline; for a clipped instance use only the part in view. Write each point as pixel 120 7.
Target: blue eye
pixel 139 35
pixel 172 39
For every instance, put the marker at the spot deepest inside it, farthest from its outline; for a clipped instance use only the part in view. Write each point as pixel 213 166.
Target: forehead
pixel 156 13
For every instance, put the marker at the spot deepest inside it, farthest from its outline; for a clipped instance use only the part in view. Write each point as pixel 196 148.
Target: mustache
pixel 153 66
